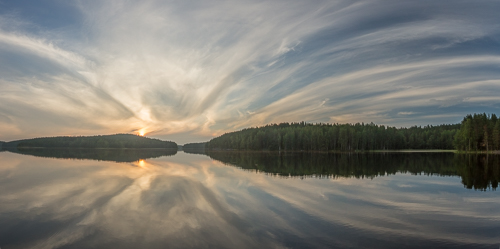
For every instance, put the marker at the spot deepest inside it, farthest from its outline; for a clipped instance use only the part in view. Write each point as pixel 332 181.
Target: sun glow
pixel 142 132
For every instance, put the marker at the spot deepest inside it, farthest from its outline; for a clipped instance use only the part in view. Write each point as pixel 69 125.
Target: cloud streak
pixel 193 70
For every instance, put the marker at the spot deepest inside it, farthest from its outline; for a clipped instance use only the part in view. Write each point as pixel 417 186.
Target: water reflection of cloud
pixel 367 205
pixel 179 202
pixel 364 207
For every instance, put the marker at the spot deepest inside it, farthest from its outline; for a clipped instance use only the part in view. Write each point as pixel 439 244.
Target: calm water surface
pixel 145 199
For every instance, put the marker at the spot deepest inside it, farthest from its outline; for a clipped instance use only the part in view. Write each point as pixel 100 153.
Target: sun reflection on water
pixel 141 163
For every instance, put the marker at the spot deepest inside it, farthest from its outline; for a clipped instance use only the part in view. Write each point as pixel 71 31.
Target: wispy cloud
pixel 200 69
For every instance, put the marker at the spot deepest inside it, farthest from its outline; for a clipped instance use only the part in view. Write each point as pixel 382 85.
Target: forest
pixel 479 132
pixel 104 141
pixel 476 132
pixel 336 137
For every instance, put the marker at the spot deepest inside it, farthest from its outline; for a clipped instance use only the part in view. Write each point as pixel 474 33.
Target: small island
pixel 116 141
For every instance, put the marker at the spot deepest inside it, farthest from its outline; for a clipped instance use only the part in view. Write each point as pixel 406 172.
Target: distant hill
pixel 194 148
pixel 101 141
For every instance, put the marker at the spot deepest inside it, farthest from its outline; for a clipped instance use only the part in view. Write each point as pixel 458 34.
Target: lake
pixel 161 199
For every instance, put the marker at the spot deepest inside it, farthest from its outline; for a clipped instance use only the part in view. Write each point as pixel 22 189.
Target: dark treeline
pixel 194 148
pixel 478 171
pixel 336 137
pixel 479 132
pixel 105 141
pixel 115 155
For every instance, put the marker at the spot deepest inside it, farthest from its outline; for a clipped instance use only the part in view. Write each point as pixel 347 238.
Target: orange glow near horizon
pixel 142 132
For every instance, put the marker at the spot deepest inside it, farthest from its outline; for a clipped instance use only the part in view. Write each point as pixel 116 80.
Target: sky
pixel 188 71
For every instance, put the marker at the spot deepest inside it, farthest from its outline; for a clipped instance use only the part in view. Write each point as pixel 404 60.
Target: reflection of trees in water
pixel 477 171
pixel 115 155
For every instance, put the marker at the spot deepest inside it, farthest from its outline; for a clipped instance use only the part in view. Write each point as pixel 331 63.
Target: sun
pixel 142 132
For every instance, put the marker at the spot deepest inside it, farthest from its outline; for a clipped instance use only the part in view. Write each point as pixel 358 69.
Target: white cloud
pixel 204 69
pixel 406 113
